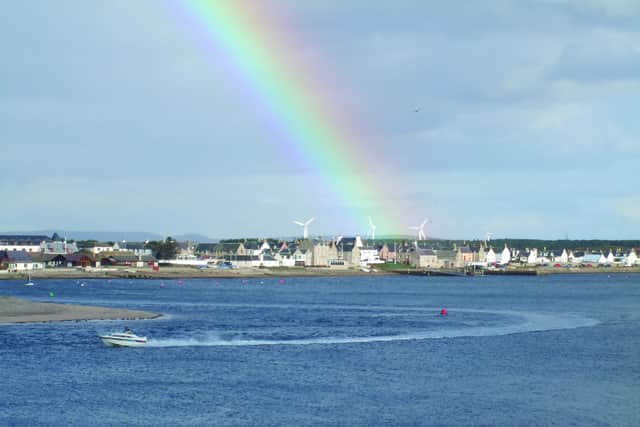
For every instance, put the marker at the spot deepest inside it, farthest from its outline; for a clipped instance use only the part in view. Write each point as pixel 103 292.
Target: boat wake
pixel 529 322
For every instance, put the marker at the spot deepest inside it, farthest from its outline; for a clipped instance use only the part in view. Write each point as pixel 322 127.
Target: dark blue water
pixel 557 350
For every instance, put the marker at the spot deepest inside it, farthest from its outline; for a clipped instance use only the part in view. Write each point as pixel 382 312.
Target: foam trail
pixel 533 322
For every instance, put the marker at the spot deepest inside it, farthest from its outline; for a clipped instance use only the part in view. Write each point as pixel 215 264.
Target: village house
pixel 370 255
pixel 252 247
pixel 403 254
pixel 302 257
pixel 631 259
pixel 268 260
pixel 576 257
pixel 464 256
pixel 98 248
pixel 221 250
pixel 610 258
pixel 320 254
pixel 505 257
pixel 594 259
pixel 423 258
pixel 207 250
pixel 265 247
pixel 50 260
pixel 387 253
pixel 285 258
pixel 26 243
pixel 447 258
pixel 81 259
pixel 19 261
pixel 490 258
pixel 563 258
pixel 58 247
pixel 138 248
pixel 348 250
pixel 121 258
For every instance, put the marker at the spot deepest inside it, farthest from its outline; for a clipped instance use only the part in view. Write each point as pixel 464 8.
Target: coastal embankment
pixel 191 272
pixel 178 273
pixel 15 310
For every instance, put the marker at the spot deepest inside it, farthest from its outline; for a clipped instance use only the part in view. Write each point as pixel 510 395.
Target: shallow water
pixel 552 350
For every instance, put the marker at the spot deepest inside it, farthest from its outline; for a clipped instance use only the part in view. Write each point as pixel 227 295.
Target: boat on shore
pixel 123 339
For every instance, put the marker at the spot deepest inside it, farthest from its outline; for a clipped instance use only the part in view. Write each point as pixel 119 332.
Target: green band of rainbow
pixel 266 59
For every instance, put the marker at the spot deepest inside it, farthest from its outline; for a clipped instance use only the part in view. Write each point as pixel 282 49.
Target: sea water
pixel 550 350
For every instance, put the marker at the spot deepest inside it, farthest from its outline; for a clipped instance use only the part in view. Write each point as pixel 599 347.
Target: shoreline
pixel 168 273
pixel 182 273
pixel 16 311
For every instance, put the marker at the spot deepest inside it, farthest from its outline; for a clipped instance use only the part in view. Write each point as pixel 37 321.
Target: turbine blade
pixel 299 223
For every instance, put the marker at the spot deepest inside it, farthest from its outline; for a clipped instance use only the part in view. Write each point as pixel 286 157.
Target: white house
pixel 564 258
pixel 245 261
pixel 104 247
pixel 268 261
pixel 370 256
pixel 19 261
pixel 576 257
pixel 490 257
pixel 610 258
pixel 285 258
pixel 505 257
pixel 24 243
pixel 533 257
pixel 302 257
pixel 599 259
pixel 543 259
pixel 632 259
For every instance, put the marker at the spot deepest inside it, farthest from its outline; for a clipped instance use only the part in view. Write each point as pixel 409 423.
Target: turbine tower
pixel 489 234
pixel 304 225
pixel 420 229
pixel 372 229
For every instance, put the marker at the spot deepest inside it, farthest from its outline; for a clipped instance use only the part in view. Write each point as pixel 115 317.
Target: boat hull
pixel 123 342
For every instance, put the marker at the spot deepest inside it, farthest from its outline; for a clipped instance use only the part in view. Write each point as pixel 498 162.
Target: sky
pixel 519 118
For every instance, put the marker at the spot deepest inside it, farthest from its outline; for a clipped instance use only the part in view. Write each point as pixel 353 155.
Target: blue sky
pixel 114 117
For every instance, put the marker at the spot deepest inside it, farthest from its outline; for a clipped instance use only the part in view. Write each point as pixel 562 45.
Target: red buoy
pixel 443 312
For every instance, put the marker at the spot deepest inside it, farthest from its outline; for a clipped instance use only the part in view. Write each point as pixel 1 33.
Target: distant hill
pixel 103 236
pixel 194 237
pixel 115 236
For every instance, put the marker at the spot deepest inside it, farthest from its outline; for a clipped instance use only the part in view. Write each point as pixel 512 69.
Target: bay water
pixel 371 350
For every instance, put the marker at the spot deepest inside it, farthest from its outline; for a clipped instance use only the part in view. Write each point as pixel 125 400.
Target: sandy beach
pixel 14 310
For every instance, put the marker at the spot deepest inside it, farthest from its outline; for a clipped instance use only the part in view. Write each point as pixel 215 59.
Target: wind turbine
pixel 305 232
pixel 372 229
pixel 420 229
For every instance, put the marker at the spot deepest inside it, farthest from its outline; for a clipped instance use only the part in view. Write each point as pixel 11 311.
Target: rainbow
pixel 252 41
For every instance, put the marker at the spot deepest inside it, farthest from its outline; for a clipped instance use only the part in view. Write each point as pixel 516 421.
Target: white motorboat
pixel 123 339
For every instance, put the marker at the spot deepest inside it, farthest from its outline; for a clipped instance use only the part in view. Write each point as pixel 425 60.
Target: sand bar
pixel 14 310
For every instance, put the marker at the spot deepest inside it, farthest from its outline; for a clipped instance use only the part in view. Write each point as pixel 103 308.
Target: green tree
pixel 166 249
